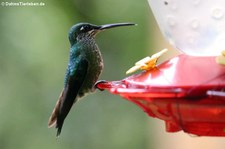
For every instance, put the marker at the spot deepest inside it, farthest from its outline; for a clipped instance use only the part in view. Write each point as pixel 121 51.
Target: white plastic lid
pixel 196 27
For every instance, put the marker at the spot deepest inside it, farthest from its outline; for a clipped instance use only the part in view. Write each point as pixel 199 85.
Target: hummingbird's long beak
pixel 107 26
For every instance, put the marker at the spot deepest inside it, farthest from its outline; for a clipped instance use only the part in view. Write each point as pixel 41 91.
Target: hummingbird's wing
pixel 75 79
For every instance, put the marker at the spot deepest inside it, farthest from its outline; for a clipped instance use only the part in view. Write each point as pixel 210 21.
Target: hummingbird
pixel 84 68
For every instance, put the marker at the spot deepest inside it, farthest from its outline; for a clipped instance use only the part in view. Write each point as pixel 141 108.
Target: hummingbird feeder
pixel 187 91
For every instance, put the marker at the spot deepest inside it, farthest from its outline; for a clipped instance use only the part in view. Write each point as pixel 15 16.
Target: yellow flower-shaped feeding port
pixel 221 58
pixel 146 63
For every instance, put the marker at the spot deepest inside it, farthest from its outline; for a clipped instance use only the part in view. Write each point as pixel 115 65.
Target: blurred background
pixel 34 50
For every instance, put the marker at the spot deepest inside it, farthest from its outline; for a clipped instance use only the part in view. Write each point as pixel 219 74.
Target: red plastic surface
pixel 187 92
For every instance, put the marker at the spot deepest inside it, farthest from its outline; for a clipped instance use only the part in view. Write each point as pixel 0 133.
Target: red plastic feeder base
pixel 187 92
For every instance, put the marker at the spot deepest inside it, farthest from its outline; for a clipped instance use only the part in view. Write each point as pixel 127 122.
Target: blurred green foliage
pixel 34 51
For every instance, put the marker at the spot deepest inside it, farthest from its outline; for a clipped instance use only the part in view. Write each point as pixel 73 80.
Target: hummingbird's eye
pixel 85 28
pixel 82 28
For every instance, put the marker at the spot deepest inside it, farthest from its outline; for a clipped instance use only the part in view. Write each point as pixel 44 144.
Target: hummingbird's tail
pixel 62 107
pixel 54 118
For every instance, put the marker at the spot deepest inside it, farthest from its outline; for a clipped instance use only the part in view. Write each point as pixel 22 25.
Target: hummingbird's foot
pixel 98 83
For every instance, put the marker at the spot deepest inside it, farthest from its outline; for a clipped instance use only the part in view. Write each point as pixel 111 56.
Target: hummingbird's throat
pixel 86 36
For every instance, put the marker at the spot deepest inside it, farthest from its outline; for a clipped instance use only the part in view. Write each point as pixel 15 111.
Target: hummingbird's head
pixel 83 31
